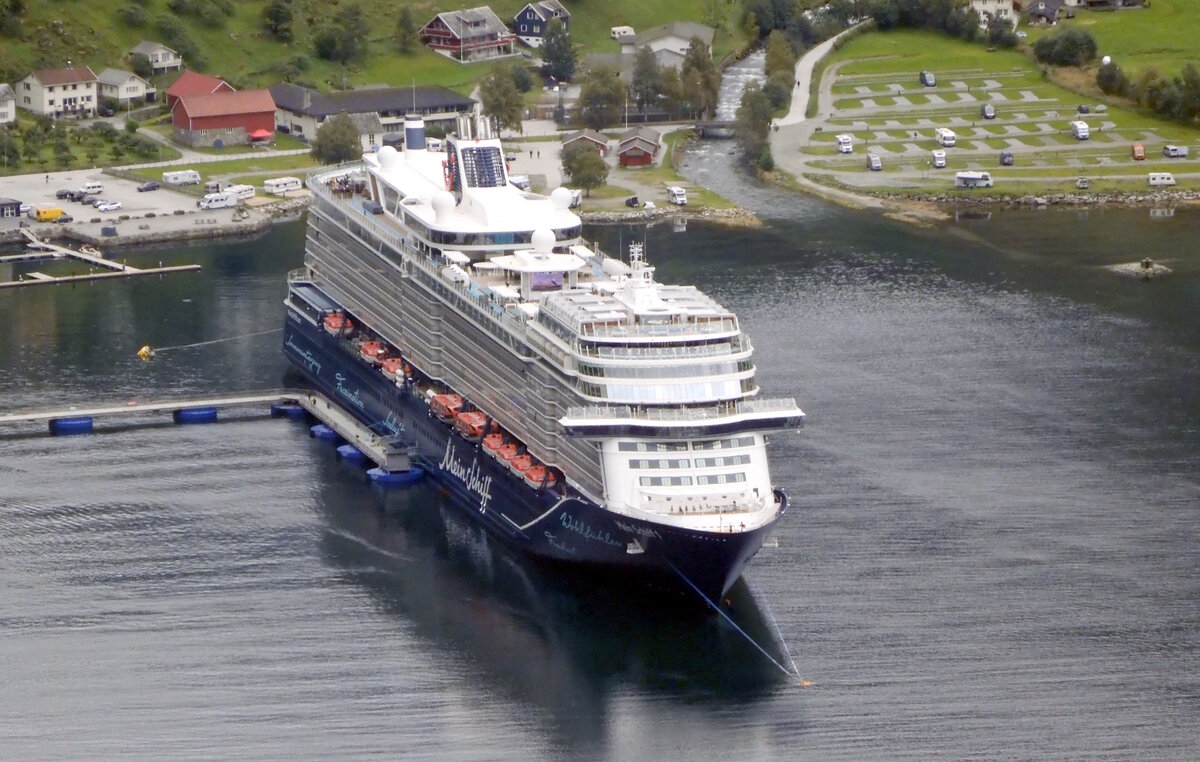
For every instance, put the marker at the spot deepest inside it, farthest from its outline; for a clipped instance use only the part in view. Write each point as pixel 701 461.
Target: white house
pixel 124 87
pixel 59 92
pixel 376 111
pixel 8 104
pixel 161 57
pixel 669 42
pixel 1001 9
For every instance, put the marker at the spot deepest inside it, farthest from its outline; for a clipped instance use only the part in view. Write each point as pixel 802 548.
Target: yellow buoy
pixel 146 352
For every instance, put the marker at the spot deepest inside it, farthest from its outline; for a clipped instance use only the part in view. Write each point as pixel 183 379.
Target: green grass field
pixel 95 35
pixel 1162 34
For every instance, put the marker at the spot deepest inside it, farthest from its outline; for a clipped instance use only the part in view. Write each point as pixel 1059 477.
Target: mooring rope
pixel 147 351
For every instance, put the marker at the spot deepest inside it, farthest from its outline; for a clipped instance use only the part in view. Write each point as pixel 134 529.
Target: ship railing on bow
pixel 685 421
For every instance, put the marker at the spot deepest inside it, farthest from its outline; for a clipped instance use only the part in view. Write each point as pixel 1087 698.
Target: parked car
pixel 62 193
pixel 65 218
pixel 96 202
pixel 633 202
pixel 939 158
pixel 148 186
pixel 87 200
pixel 23 209
pixel 1006 158
pixel 1082 108
pixel 928 79
pixel 108 206
pixel 988 111
pixel 105 111
pixel 1139 152
pixel 1082 183
pixel 1175 152
pixel 510 156
pixel 874 163
pixel 1022 34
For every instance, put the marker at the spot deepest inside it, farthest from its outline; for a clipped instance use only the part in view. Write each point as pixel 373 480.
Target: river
pixel 992 550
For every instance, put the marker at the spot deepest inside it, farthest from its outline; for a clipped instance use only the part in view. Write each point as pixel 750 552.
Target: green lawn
pixel 1162 34
pixel 237 169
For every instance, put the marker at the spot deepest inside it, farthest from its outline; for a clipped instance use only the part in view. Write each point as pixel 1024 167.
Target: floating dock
pixel 41 251
pixel 390 455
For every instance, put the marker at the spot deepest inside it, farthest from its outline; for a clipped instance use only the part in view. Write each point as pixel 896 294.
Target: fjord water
pixel 991 550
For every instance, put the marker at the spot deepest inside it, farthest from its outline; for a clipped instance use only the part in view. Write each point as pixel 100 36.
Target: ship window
pixel 652 446
pixel 724 444
pixel 721 478
pixel 665 481
pixel 659 463
pixel 724 460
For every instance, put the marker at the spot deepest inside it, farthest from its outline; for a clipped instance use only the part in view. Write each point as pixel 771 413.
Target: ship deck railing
pixel 786 405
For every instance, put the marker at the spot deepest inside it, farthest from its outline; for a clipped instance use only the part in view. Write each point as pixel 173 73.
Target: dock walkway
pixel 43 251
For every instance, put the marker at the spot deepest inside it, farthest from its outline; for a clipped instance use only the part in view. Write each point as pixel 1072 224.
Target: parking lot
pixel 40 189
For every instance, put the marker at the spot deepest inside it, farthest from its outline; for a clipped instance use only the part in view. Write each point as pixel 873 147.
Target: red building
pixel 195 83
pixel 637 147
pixel 224 118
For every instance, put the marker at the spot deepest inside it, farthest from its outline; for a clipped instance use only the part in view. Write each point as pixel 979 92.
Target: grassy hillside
pixel 96 34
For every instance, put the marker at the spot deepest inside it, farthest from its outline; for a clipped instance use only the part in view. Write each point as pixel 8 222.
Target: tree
pixel 601 98
pixel 10 17
pixel 406 31
pixel 337 141
pixel 1066 47
pixel 1188 85
pixel 8 149
pixel 346 40
pixel 557 51
pixel 141 65
pixel 585 166
pixel 780 58
pixel 753 126
pixel 647 78
pixel 1112 80
pixel 701 80
pixel 501 103
pixel 277 18
pixel 1000 33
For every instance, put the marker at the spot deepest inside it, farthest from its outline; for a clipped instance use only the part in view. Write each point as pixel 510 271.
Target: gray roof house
pixel 469 35
pixel 8 104
pixel 124 86
pixel 161 57
pixel 376 111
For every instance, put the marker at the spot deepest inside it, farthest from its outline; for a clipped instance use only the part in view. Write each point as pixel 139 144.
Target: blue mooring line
pixel 744 634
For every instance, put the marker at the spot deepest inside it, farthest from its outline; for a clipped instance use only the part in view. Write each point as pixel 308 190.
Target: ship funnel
pixel 414 133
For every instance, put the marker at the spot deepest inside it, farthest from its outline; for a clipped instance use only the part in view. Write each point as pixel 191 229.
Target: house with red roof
pixel 223 118
pixel 59 92
pixel 195 83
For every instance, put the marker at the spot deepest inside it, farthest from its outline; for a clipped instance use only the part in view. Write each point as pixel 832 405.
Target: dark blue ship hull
pixel 553 523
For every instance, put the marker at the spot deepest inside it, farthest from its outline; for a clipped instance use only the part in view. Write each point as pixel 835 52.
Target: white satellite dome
pixel 542 240
pixel 560 197
pixel 387 157
pixel 443 203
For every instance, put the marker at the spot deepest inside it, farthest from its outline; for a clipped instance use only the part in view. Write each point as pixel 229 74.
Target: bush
pixel 1112 80
pixel 1067 47
pixel 778 90
pixel 134 15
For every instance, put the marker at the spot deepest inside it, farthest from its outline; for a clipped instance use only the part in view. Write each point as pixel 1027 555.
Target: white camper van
pixel 224 200
pixel 241 191
pixel 972 179
pixel 1080 130
pixel 181 177
pixel 945 137
pixel 1161 179
pixel 845 143
pixel 677 195
pixel 92 187
pixel 281 185
pixel 620 33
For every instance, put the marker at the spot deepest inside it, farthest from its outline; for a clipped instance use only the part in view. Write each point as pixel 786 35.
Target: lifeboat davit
pixel 520 464
pixel 536 474
pixel 492 442
pixel 506 453
pixel 471 424
pixel 336 323
pixel 371 351
pixel 446 406
pixel 392 367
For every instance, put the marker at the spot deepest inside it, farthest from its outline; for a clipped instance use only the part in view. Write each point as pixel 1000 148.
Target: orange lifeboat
pixel 392 367
pixel 337 323
pixel 470 424
pixel 520 464
pixel 506 453
pixel 371 351
pixel 446 406
pixel 537 473
pixel 492 442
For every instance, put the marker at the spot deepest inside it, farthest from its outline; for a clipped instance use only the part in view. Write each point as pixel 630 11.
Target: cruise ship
pixel 577 408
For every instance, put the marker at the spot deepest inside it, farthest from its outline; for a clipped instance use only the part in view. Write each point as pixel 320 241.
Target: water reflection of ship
pixel 971 215
pixel 554 641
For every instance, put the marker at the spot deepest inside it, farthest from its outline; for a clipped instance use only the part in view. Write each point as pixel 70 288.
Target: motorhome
pixel 677 195
pixel 181 177
pixel 281 185
pixel 845 143
pixel 1175 152
pixel 972 179
pixel 1080 130
pixel 939 158
pixel 215 186
pixel 945 137
pixel 241 191
pixel 1161 179
pixel 218 201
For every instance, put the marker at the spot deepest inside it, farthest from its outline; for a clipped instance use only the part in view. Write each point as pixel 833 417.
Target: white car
pixel 939 158
pixel 108 206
